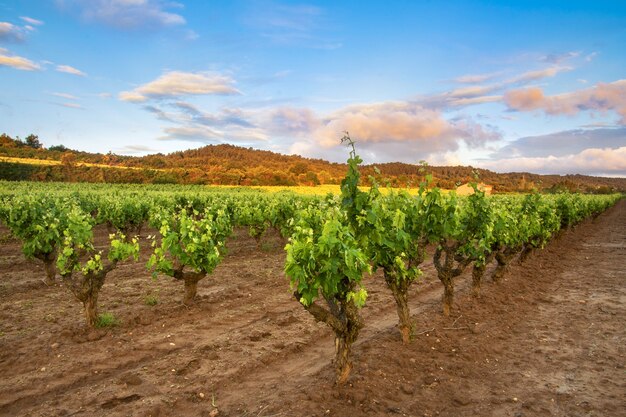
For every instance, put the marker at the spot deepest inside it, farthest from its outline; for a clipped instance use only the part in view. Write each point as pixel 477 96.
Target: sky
pixel 537 86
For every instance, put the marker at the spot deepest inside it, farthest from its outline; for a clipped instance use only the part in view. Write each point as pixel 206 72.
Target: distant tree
pixel 299 168
pixel 58 148
pixel 33 141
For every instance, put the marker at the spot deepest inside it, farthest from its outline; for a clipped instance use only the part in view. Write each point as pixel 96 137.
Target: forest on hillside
pixel 234 165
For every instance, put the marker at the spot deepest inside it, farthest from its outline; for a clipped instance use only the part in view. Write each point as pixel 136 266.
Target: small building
pixel 467 189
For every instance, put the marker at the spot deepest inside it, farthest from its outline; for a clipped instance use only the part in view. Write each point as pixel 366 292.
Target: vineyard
pixel 223 269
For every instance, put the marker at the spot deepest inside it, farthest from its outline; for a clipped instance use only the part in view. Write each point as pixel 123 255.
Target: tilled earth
pixel 549 340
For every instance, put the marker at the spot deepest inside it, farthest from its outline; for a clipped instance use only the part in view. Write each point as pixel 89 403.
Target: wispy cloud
pixel 72 105
pixel 65 96
pixel 70 70
pixel 9 60
pixel 603 97
pixel 563 143
pixel 177 83
pixel 126 14
pixel 135 150
pixel 31 21
pixel 537 75
pixel 11 33
pixel 476 78
pixel 592 161
pixel 559 58
pixel 292 25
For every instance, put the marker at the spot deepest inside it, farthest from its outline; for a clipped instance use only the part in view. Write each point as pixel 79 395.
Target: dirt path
pixel 547 341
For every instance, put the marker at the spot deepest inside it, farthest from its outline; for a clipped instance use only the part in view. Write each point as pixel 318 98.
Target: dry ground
pixel 547 341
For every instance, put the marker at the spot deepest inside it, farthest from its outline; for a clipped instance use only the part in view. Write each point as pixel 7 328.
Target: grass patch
pixel 107 320
pixel 151 300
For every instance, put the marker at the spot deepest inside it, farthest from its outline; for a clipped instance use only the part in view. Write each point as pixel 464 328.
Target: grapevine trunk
pixel 344 338
pixel 448 297
pixel 49 265
pixel 399 291
pixel 51 271
pixel 191 284
pixel 343 317
pixel 503 258
pixel 91 309
pixel 86 289
pixel 477 275
pixel 525 253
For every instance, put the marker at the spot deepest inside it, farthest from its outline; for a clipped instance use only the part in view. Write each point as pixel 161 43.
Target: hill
pixel 233 165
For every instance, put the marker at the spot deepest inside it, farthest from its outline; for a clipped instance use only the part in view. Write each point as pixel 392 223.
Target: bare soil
pixel 549 340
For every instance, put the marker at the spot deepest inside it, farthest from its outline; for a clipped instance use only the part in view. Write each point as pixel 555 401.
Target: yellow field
pixel 34 161
pixel 321 189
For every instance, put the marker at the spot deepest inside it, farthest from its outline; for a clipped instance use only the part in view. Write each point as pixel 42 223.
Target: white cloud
pixel 10 32
pixel 476 78
pixel 205 134
pixel 17 62
pixel 72 105
pixel 177 83
pixel 537 75
pixel 31 21
pixel 135 150
pixel 596 135
pixel 65 96
pixel 70 70
pixel 559 58
pixel 602 97
pixel 592 161
pixel 126 14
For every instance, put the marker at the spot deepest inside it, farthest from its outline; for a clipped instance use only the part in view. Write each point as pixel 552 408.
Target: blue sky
pixel 535 86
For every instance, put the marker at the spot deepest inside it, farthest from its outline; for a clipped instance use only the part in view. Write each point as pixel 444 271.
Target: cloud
pixel 480 94
pixel 136 150
pixel 70 70
pixel 11 33
pixel 537 75
pixel 17 62
pixel 299 18
pixel 401 130
pixel 559 58
pixel 31 21
pixel 126 14
pixel 592 161
pixel 71 105
pixel 563 143
pixel 177 83
pixel 291 25
pixel 205 134
pixel 65 96
pixel 602 97
pixel 473 91
pixel 476 78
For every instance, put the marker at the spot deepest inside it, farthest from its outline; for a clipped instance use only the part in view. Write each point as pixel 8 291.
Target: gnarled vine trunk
pixel 399 289
pixel 503 258
pixel 342 316
pixel 86 289
pixel 452 266
pixel 477 275
pixel 526 252
pixel 190 278
pixel 478 271
pixel 49 261
pixel 90 304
